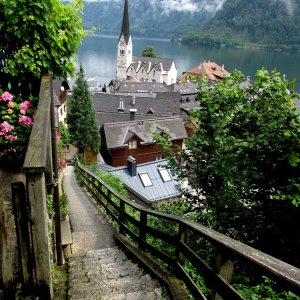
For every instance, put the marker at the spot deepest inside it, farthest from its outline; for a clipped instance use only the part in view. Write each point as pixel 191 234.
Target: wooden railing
pixel 183 241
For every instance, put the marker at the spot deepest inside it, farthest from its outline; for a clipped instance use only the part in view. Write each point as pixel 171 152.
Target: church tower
pixel 124 57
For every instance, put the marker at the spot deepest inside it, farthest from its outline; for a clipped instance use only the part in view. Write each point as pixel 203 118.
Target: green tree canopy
pixel 149 52
pixel 81 119
pixel 244 158
pixel 40 36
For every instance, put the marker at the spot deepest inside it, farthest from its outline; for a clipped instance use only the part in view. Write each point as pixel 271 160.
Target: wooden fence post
pixel 182 236
pixel 36 187
pixel 224 267
pixel 22 230
pixel 6 267
pixel 142 233
pixel 121 216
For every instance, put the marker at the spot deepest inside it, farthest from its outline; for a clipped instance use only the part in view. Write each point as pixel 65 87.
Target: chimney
pixel 223 68
pixel 131 163
pixel 132 113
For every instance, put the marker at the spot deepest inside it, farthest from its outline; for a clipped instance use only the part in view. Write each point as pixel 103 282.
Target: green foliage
pixel 256 21
pixel 149 51
pixel 265 290
pixel 243 161
pixel 64 140
pixel 40 36
pixel 63 203
pixel 81 117
pixel 112 180
pixel 50 206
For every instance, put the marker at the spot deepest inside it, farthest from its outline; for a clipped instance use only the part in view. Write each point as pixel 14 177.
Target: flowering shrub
pixel 16 120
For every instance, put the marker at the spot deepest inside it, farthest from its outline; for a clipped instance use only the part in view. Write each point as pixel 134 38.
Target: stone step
pixel 107 274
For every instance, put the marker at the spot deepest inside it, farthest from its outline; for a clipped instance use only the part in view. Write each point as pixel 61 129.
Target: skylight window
pixel 165 175
pixel 145 179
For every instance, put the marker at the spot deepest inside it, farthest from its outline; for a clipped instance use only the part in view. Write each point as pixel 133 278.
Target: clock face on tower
pixel 122 44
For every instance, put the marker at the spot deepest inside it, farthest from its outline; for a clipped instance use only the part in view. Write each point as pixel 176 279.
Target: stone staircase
pixel 107 274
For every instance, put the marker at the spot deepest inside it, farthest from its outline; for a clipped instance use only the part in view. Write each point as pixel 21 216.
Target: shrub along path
pixel 98 269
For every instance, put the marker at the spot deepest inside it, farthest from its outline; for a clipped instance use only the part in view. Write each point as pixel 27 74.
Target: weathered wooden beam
pixel 23 237
pixel 36 156
pixel 6 267
pixel 36 187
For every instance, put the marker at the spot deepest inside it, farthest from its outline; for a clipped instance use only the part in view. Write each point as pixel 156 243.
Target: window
pixel 145 179
pixel 165 175
pixel 159 157
pixel 132 144
pixel 122 52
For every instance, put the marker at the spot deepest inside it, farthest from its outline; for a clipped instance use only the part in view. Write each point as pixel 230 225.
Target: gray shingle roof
pixel 141 87
pixel 159 190
pixel 116 134
pixel 164 104
pixel 161 64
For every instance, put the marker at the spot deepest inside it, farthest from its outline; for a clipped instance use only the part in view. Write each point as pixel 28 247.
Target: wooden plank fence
pixel 136 223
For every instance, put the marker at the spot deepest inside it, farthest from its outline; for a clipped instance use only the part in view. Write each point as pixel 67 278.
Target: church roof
pixel 160 64
pixel 125 24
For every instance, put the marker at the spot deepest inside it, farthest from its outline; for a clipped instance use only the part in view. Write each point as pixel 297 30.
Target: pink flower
pixel 10 104
pixel 22 111
pixel 6 96
pixel 11 137
pixel 6 127
pixel 12 150
pixel 25 120
pixel 25 105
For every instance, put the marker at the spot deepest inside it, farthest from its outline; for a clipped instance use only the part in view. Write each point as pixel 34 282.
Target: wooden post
pixel 224 267
pixel 121 216
pixel 36 187
pixel 23 236
pixel 6 267
pixel 182 236
pixel 143 224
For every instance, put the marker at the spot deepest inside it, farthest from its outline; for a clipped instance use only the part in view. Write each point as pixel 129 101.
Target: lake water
pixel 98 55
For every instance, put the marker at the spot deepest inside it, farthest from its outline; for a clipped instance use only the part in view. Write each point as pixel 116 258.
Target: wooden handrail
pixel 287 275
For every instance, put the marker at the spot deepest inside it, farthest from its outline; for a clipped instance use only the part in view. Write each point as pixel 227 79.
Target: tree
pixel 39 36
pixel 149 52
pixel 81 119
pixel 243 160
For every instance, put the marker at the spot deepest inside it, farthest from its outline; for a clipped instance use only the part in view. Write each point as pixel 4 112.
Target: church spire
pixel 125 25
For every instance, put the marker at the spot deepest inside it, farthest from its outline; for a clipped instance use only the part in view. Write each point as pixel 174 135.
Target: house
pixel 60 93
pixel 120 108
pixel 148 182
pixel 133 138
pixel 145 69
pixel 209 69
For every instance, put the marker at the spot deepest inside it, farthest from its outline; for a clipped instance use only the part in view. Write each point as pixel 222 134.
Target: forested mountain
pixel 272 22
pixel 152 18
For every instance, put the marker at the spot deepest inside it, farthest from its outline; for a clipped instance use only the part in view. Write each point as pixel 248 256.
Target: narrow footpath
pixel 98 269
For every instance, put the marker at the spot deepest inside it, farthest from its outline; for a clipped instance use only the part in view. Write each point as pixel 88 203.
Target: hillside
pixel 273 22
pixel 152 18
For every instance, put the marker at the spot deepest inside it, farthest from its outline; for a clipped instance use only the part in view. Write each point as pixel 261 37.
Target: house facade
pixel 123 139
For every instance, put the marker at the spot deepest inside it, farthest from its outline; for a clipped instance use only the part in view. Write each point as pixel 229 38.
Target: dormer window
pixel 132 144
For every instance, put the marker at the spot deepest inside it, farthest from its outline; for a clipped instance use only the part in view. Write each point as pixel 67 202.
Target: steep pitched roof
pixel 116 133
pixel 160 64
pixel 125 24
pixel 141 87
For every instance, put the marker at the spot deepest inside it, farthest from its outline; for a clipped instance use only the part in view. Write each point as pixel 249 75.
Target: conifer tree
pixel 81 118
